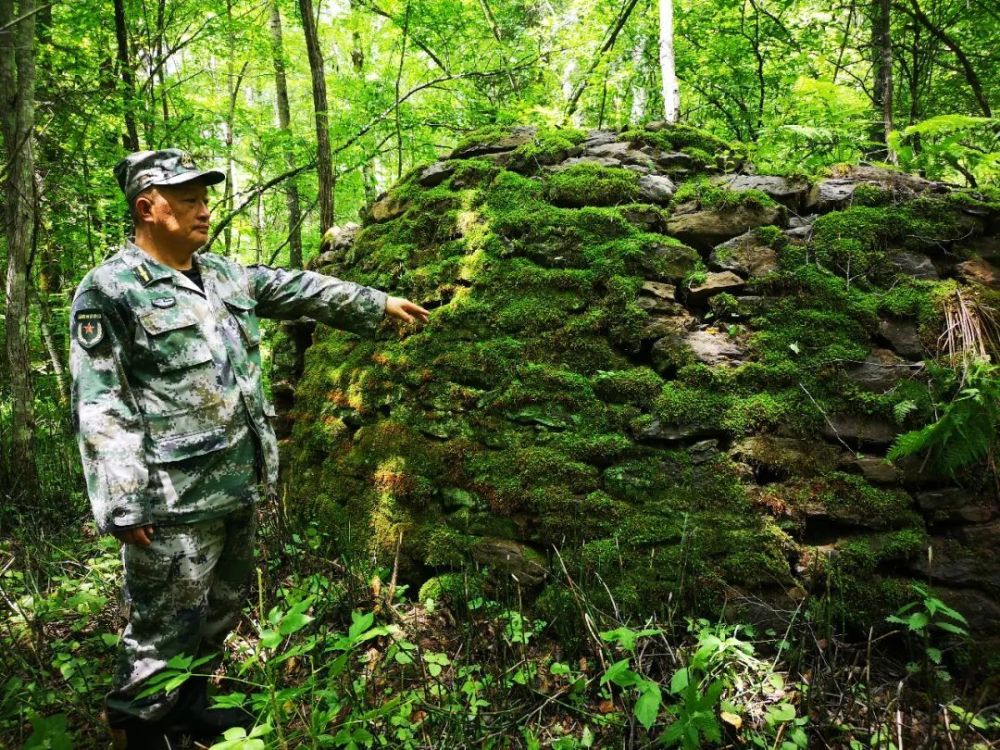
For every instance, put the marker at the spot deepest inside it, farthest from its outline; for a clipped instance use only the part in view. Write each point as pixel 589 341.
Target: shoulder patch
pixel 88 328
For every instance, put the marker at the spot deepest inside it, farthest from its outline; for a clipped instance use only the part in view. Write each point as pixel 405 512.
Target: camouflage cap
pixel 171 166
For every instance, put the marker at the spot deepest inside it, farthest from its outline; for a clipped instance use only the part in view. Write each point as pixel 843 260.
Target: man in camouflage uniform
pixel 174 427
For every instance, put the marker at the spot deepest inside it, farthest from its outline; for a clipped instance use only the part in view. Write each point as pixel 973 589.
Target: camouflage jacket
pixel 164 371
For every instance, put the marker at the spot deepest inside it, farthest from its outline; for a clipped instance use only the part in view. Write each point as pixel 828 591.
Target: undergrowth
pixel 334 654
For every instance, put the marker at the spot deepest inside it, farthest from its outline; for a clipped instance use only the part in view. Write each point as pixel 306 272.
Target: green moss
pixel 509 478
pixel 585 443
pixel 638 386
pixel 874 196
pixel 538 312
pixel 447 548
pixel 853 242
pixel 547 147
pixel 850 498
pixel 454 590
pixel 707 195
pixel 473 173
pixel 771 236
pixel 706 149
pixel 592 185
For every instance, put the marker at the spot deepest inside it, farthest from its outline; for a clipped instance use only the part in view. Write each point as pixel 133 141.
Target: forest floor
pixel 335 655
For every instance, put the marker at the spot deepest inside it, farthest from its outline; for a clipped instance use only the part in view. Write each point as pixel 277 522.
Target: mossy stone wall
pixel 684 419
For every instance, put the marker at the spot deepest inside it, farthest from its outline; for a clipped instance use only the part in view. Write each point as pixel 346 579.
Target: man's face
pixel 176 215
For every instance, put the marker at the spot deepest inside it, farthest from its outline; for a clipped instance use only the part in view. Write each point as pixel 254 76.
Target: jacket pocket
pixel 175 437
pixel 242 310
pixel 175 341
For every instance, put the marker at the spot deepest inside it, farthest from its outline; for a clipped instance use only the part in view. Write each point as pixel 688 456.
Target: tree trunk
pixel 324 164
pixel 668 70
pixel 609 43
pixel 882 57
pixel 970 73
pixel 284 120
pixel 17 111
pixel 130 138
pixel 638 84
pixel 54 348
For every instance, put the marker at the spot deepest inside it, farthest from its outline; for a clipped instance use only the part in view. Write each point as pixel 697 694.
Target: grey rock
pixel 745 255
pixel 789 191
pixel 601 161
pixel 803 233
pixel 954 504
pixel 714 347
pixel 972 563
pixel 659 289
pixel 902 336
pixel 979 271
pixel 664 326
pixel 786 455
pixel 876 470
pixel 858 430
pixel 715 283
pixel 621 151
pixel 832 194
pixel 656 189
pixel 649 218
pixel 707 228
pixel 517 137
pixel 674 161
pixel 389 206
pixel 658 305
pixel 671 433
pixel 703 451
pixel 917 265
pixel 881 370
pixel 599 138
pixel 436 173
pixel 511 558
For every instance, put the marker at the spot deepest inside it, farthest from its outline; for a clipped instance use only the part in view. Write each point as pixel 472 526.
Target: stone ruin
pixel 679 375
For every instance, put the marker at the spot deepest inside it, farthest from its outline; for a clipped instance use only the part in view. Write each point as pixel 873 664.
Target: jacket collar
pixel 148 270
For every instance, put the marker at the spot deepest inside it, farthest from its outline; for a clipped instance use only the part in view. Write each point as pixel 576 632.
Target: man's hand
pixel 140 535
pixel 405 310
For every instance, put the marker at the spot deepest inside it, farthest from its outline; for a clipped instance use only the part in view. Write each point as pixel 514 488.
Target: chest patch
pixel 164 302
pixel 88 328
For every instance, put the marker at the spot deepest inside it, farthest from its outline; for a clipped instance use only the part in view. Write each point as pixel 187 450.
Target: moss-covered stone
pixel 552 400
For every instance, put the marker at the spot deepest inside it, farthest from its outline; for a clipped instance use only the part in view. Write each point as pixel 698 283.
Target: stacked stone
pixel 686 322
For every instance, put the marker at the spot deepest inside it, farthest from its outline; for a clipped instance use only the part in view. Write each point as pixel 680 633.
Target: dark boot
pixel 192 707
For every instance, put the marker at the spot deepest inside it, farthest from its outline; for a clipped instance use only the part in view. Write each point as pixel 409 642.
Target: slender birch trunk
pixel 668 70
pixel 284 123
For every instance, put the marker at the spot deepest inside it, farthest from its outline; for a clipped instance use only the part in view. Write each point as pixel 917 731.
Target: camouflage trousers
pixel 185 592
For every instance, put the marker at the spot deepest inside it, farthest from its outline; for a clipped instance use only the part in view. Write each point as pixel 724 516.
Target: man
pixel 173 426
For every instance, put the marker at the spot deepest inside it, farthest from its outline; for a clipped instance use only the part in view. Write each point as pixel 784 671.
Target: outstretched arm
pixel 287 295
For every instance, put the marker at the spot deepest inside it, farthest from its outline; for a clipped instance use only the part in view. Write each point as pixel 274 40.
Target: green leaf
pixel 680 680
pixel 648 705
pixel 620 674
pixel 293 622
pixel 780 713
pixel 950 628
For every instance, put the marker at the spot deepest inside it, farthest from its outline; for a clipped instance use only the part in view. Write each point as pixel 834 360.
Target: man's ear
pixel 143 208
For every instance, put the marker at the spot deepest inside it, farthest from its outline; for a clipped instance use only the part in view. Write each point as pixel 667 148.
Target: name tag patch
pixel 88 328
pixel 164 302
